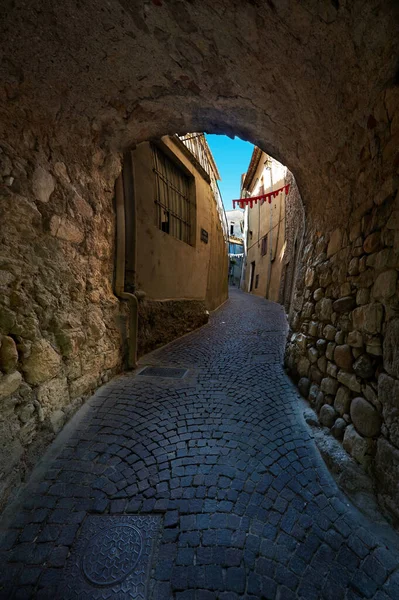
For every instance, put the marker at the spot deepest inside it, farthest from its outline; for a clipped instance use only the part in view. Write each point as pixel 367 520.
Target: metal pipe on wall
pixel 120 260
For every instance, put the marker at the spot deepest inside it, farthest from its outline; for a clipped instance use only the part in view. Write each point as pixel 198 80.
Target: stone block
pixel 304 386
pixel 349 380
pixel 309 277
pixel 318 294
pixel 9 384
pixel 360 448
pixel 313 393
pixel 321 346
pixel 8 355
pixel 353 268
pixel 335 242
pixel 388 396
pixel 53 394
pixel 343 357
pixel 370 395
pixel 313 328
pixel 66 229
pixel 344 305
pixel 339 337
pixel 327 415
pixel 365 417
pixel 372 242
pixel 355 339
pixel 323 309
pixel 313 355
pixel 332 369
pixel 42 364
pixel 368 318
pixel 363 367
pixel 342 400
pixel 57 420
pixel 329 332
pixel 386 469
pixel 315 374
pixel 338 429
pixel 391 348
pixel 362 296
pixel 330 350
pixel 374 345
pixel 42 184
pixel 322 364
pixel 385 285
pixel 329 385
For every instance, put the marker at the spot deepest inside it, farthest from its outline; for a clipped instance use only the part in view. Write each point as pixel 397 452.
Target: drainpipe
pixel 269 275
pixel 120 272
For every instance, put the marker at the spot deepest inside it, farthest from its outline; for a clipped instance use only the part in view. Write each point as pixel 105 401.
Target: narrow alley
pixel 204 486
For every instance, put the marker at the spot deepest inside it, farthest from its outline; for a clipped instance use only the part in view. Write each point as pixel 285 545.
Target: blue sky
pixel 232 158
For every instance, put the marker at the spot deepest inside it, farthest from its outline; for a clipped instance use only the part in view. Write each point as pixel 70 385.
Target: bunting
pixel 263 198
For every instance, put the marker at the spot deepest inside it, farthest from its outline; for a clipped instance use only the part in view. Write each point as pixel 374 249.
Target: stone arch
pixel 312 83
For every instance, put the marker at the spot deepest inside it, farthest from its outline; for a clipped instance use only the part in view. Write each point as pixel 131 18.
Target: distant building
pixel 273 230
pixel 235 223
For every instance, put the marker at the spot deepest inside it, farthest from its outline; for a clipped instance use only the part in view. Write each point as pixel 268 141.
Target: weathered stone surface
pixel 330 350
pixel 344 304
pixel 338 429
pixel 53 394
pixel 309 277
pixel 321 346
pixel 8 354
pixel 386 466
pixel 66 229
pixel 362 296
pixel 57 420
pixel 357 446
pixel 313 355
pixel 391 348
pixel 355 339
pixel 323 309
pixel 353 268
pixel 365 417
pixel 318 294
pixel 388 395
pixel 9 384
pixel 332 369
pixel 368 318
pixel 343 357
pixel 342 400
pixel 315 374
pixel 385 285
pixel 335 243
pixel 304 386
pixel 42 184
pixel 363 367
pixel 43 363
pixel 313 393
pixel 374 345
pixel 329 385
pixel 329 332
pixel 322 364
pixel 371 396
pixel 327 415
pixel 313 328
pixel 350 380
pixel 372 242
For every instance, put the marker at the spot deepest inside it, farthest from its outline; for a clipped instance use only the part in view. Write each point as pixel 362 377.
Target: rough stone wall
pixel 294 231
pixel 161 321
pixel 60 334
pixel 345 348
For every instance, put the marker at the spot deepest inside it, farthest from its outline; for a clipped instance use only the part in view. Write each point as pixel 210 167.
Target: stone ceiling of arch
pixel 299 79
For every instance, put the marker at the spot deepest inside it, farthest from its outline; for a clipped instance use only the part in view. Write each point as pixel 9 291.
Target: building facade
pixel 181 252
pixel 273 229
pixel 235 222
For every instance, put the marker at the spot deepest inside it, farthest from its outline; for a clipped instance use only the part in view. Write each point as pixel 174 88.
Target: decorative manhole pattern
pixel 168 372
pixel 112 554
pixel 111 558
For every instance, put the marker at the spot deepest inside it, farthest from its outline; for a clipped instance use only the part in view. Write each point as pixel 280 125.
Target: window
pixel 231 228
pixel 172 197
pixel 256 281
pixel 264 246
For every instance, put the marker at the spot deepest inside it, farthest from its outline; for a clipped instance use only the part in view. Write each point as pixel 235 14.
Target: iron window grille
pixel 172 197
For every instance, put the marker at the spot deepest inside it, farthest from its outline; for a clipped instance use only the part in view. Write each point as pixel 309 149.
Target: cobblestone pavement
pixel 246 507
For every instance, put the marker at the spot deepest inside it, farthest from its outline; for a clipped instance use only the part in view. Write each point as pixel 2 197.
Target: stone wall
pixel 345 349
pixel 61 329
pixel 161 321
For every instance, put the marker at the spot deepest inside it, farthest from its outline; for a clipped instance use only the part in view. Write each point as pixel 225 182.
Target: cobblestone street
pixel 240 504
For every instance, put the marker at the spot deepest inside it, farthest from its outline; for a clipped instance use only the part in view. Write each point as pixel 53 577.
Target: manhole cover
pixel 111 558
pixel 168 372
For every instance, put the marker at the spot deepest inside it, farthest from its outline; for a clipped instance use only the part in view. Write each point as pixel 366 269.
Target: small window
pixel 172 197
pixel 250 235
pixel 264 245
pixel 256 281
pixel 231 228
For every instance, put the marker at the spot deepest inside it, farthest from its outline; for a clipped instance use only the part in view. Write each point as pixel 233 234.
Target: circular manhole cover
pixel 111 555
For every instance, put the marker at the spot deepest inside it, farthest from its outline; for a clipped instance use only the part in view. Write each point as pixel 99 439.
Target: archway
pixel 313 84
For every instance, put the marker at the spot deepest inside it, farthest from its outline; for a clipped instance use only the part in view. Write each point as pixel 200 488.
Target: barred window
pixel 172 197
